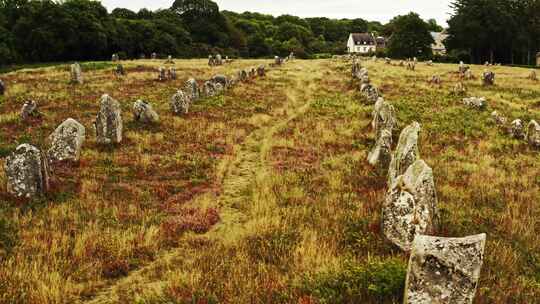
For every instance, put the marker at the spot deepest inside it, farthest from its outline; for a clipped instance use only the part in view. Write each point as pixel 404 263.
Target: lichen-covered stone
pixel 384 117
pixel 209 88
pixel 191 88
pixel 355 67
pixel 211 61
pixel 435 80
pixel 27 172
pixel 517 129
pixel 242 75
pixel 144 112
pixel 498 118
pixel 180 103
pixel 29 109
pixel 109 121
pixel 533 134
pixel 221 79
pixel 76 73
pixel 66 141
pixel 406 153
pixel 478 103
pixel 219 60
pixel 444 270
pixel 381 154
pixel 410 206
pixel 488 78
pixel 370 92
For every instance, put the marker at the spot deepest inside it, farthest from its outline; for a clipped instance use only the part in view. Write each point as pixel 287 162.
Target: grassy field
pixel 263 194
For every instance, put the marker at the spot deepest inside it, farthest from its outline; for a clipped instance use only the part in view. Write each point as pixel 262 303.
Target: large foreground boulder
pixel 180 103
pixel 444 270
pixel 410 207
pixel 109 121
pixel 144 112
pixel 27 172
pixel 406 153
pixel 67 140
pixel 533 134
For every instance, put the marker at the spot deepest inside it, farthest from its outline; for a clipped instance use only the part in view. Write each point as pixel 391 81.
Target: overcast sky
pixel 373 10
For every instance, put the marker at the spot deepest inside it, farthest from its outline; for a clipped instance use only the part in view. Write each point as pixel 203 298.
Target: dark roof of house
pixel 363 38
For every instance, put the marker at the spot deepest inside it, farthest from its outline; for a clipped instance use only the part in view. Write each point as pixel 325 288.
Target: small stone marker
pixel 517 129
pixel 410 206
pixel 169 60
pixel 67 140
pixel 498 118
pixel 533 134
pixel 406 153
pixel 488 78
pixel 261 71
pixel 435 80
pixel 171 73
pixel 162 76
pixel 76 73
pixel 29 109
pixel 153 56
pixel 429 63
pixel 27 172
pixel 143 112
pixel 109 121
pixel 219 61
pixel 209 88
pixel 191 88
pixel 180 103
pixel 475 102
pixel 211 61
pixel 222 79
pixel 387 60
pixel 119 71
pixel 115 58
pixel 444 270
pixel 532 75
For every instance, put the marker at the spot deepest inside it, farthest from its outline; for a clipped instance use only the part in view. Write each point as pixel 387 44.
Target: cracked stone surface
pixel 406 153
pixel 109 121
pixel 144 112
pixel 67 140
pixel 27 172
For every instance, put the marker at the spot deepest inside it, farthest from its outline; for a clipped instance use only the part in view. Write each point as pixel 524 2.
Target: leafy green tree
pixel 410 37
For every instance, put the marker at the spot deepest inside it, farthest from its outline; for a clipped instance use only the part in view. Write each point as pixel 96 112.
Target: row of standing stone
pixel 441 270
pixel 28 169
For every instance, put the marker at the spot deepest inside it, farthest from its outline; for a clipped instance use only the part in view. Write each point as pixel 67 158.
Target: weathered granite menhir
pixel 406 153
pixel 444 270
pixel 27 172
pixel 180 103
pixel 66 141
pixel 144 112
pixel 108 122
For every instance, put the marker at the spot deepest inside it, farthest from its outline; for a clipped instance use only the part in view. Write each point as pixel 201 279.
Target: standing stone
pixel 387 60
pixel 406 153
pixel 76 74
pixel 410 206
pixel 381 155
pixel 532 75
pixel 371 93
pixel 67 140
pixel 191 88
pixel 384 117
pixel 498 118
pixel 143 112
pixel 109 121
pixel 180 103
pixel 444 270
pixel 435 80
pixel 251 73
pixel 468 75
pixel 429 63
pixel 222 79
pixel 516 129
pixel 488 78
pixel 278 60
pixel 27 172
pixel 355 67
pixel 169 60
pixel 115 58
pixel 2 88
pixel 119 71
pixel 219 60
pixel 211 61
pixel 218 88
pixel 533 134
pixel 171 73
pixel 364 79
pixel 242 75
pixel 475 102
pixel 411 65
pixel 29 109
pixel 459 89
pixel 162 76
pixel 463 68
pixel 153 56
pixel 209 88
pixel 261 71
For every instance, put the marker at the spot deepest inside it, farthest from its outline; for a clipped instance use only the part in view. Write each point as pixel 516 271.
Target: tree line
pixel 46 31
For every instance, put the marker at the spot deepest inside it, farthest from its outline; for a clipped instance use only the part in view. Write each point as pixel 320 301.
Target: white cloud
pixel 378 10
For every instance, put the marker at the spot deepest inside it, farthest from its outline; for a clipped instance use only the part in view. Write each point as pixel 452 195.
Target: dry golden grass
pixel 262 195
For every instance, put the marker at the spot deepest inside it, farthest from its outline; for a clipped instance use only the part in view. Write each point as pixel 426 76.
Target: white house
pixel 438 47
pixel 361 43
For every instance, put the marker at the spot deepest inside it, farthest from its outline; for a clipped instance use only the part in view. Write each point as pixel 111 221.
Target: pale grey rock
pixel 209 88
pixel 387 60
pixel 219 60
pixel 410 206
pixel 406 153
pixel 444 270
pixel 76 73
pixel 475 102
pixel 411 65
pixel 517 129
pixel 429 63
pixel 381 154
pixel 66 141
pixel 211 60
pixel 180 103
pixel 468 75
pixel 488 78
pixel 115 58
pixel 144 112
pixel 371 93
pixel 29 109
pixel 355 67
pixel 153 56
pixel 27 172
pixel 169 60
pixel 191 88
pixel 384 117
pixel 108 122
pixel 533 134
pixel 498 118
